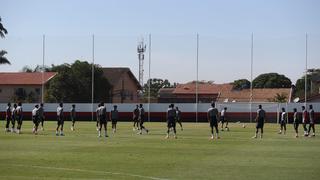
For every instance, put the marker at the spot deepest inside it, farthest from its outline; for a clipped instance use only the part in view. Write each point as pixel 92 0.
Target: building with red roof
pixel 208 92
pixel 14 84
pixel 125 86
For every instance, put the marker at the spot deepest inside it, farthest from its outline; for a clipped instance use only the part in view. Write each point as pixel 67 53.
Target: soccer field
pixel 126 155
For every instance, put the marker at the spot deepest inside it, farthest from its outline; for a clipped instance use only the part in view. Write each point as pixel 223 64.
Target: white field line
pixel 41 177
pixel 89 171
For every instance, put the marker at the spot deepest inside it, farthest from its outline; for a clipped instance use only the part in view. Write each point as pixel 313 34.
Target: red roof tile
pixel 258 95
pixel 113 74
pixel 226 91
pixel 24 78
pixel 203 88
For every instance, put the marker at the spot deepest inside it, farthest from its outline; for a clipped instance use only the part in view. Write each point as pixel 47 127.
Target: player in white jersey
pixel 223 119
pixel 311 121
pixel 141 119
pixel 296 121
pixel 14 117
pixel 305 120
pixel 178 117
pixel 60 120
pixel 35 119
pixel 19 116
pixel 97 117
pixel 283 122
pixel 102 112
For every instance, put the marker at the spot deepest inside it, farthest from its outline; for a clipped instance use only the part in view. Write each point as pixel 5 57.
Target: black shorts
pixel 222 119
pixel 178 119
pixel 213 122
pixel 283 123
pixel 142 118
pixel 102 120
pixel 41 119
pixel 135 119
pixel 171 122
pixel 35 119
pixel 8 119
pixel 73 119
pixel 60 121
pixel 114 121
pixel 260 124
pixel 19 119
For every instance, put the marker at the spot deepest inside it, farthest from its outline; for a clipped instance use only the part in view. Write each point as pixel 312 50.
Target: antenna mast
pixel 141 49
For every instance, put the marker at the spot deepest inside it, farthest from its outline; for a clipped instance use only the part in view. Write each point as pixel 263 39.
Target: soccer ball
pixel 244 125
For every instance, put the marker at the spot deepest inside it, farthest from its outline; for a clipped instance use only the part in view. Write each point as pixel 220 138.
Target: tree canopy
pixel 3 32
pixel 271 80
pixel 73 83
pixel 3 59
pixel 155 85
pixel 280 98
pixel 241 84
pixel 313 83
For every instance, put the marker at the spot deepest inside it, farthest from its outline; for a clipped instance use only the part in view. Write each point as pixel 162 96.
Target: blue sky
pixel 225 28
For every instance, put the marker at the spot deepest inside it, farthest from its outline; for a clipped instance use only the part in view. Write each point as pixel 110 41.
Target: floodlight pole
pixel 197 71
pixel 306 73
pixel 149 83
pixel 92 78
pixel 42 71
pixel 251 77
pixel 287 114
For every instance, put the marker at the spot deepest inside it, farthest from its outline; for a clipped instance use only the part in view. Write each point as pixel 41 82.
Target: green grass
pixel 126 155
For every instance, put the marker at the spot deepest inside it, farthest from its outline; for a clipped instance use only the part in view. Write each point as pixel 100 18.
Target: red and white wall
pixel 190 112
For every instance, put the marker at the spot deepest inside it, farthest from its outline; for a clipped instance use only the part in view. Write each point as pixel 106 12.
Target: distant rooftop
pixel 225 92
pixel 25 78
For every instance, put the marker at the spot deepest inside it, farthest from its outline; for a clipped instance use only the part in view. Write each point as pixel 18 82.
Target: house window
pixel 20 91
pixel 37 90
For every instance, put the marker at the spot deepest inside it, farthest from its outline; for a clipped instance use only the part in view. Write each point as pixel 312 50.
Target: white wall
pixel 162 107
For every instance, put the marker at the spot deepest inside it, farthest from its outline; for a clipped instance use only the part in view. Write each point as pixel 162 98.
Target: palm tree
pixel 280 98
pixel 3 31
pixel 3 60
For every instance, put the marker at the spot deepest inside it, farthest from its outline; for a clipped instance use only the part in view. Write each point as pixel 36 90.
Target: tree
pixel 313 83
pixel 155 85
pixel 38 68
pixel 271 80
pixel 241 84
pixel 280 98
pixel 3 59
pixel 73 84
pixel 27 69
pixel 3 31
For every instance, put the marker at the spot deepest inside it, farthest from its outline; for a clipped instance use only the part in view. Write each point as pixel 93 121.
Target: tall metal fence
pixel 179 58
